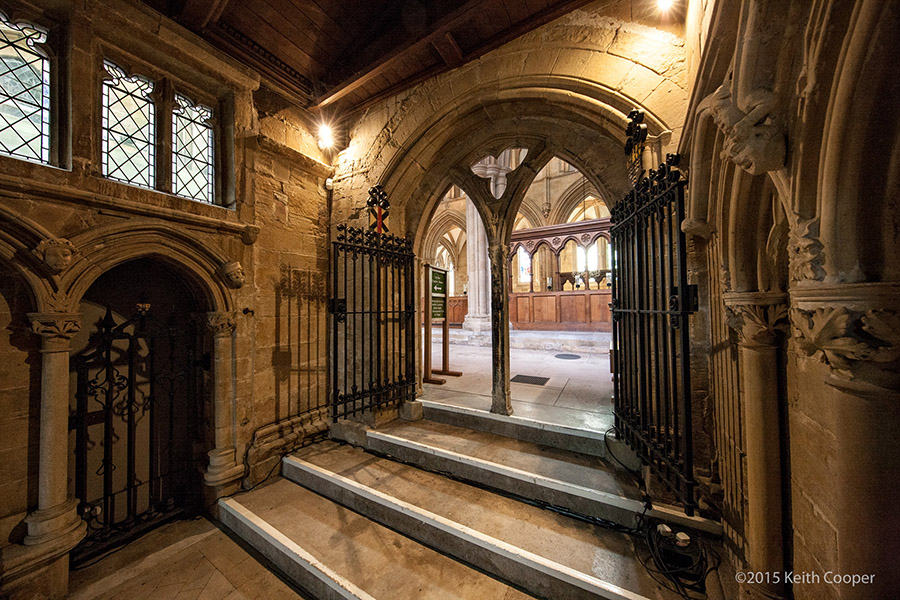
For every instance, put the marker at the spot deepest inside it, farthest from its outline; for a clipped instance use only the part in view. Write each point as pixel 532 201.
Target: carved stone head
pixel 57 254
pixel 233 273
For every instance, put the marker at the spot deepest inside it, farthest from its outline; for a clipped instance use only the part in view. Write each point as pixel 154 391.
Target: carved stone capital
pixel 55 328
pixel 855 330
pixel 220 323
pixel 757 324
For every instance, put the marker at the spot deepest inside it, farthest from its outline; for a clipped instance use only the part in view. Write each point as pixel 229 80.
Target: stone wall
pixel 267 330
pixel 19 406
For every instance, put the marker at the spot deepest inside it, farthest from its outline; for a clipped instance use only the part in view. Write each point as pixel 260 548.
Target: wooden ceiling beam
pixel 436 37
pixel 198 14
pixel 545 16
pixel 449 50
pixel 436 30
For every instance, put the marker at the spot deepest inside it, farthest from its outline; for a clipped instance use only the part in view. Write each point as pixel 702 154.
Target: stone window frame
pixel 166 86
pixel 56 49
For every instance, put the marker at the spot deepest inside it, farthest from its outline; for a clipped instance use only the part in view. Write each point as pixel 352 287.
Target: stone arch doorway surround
pixel 58 273
pixel 547 122
pixel 139 424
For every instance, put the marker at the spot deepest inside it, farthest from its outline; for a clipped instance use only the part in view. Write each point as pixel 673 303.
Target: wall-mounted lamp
pixel 326 137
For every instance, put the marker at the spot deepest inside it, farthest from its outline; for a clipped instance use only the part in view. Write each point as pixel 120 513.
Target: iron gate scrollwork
pixel 651 305
pixel 135 420
pixel 373 321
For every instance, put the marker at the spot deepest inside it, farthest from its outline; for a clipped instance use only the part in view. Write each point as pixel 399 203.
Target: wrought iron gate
pixel 373 321
pixel 652 302
pixel 135 423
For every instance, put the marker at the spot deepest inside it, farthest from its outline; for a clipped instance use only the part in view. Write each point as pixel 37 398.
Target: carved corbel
pixel 753 139
pixel 56 253
pixel 250 234
pixel 805 252
pixel 233 274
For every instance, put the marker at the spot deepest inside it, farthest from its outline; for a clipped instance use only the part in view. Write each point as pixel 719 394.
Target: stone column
pixel 54 527
pixel 855 330
pixel 478 315
pixel 758 318
pixel 499 255
pixel 223 467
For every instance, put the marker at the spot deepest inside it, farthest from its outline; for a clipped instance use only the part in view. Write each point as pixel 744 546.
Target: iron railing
pixel 373 308
pixel 651 305
pixel 135 420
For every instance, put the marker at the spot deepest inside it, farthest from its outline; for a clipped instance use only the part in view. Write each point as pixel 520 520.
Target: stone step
pixel 543 552
pixel 584 342
pixel 554 435
pixel 579 483
pixel 334 553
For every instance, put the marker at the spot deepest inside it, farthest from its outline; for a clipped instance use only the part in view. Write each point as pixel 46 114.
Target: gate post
pixel 500 397
pixel 55 527
pixel 223 467
pixel 759 318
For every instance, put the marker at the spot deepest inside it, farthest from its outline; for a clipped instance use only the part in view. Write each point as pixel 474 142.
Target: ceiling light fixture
pixel 664 5
pixel 326 137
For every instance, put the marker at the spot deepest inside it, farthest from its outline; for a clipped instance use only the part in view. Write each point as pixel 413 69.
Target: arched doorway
pixel 138 405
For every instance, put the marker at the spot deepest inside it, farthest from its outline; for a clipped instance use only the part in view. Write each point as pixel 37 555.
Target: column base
pixel 477 323
pixel 223 467
pixel 39 568
pixel 51 523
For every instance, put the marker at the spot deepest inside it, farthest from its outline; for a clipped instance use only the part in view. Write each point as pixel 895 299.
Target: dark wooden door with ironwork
pixel 651 307
pixel 135 422
pixel 372 310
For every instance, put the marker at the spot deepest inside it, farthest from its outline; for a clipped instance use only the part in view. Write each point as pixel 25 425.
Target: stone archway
pixel 140 435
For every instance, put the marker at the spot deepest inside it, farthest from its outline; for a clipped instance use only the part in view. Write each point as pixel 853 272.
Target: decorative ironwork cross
pixel 379 209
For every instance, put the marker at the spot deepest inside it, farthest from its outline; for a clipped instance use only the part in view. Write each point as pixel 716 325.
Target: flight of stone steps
pixel 432 509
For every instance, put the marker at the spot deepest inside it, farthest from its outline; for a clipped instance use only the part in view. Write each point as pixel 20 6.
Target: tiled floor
pixel 578 393
pixel 184 560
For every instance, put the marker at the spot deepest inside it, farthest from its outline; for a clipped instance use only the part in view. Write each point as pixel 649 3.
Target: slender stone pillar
pixel 478 295
pixel 499 255
pixel 54 527
pixel 759 317
pixel 223 466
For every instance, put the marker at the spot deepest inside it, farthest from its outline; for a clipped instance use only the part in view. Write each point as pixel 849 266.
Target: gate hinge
pixel 690 300
pixel 693 298
pixel 338 307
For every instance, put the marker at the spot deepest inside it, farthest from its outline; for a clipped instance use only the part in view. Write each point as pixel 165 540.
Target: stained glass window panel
pixel 24 92
pixel 129 135
pixel 192 150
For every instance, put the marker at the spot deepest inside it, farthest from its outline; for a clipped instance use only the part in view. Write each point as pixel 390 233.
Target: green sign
pixel 438 282
pixel 438 308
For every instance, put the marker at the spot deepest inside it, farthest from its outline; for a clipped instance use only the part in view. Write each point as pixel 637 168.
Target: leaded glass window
pixel 129 131
pixel 192 150
pixel 24 92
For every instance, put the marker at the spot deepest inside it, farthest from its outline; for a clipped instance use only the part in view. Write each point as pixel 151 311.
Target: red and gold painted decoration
pixel 379 209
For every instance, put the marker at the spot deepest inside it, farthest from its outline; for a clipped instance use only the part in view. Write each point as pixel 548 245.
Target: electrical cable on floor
pixel 294 448
pixel 669 558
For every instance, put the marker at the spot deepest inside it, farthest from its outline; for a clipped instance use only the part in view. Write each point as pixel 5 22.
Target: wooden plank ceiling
pixel 346 54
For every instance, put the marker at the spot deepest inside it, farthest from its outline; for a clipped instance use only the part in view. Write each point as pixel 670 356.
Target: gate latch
pixel 338 307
